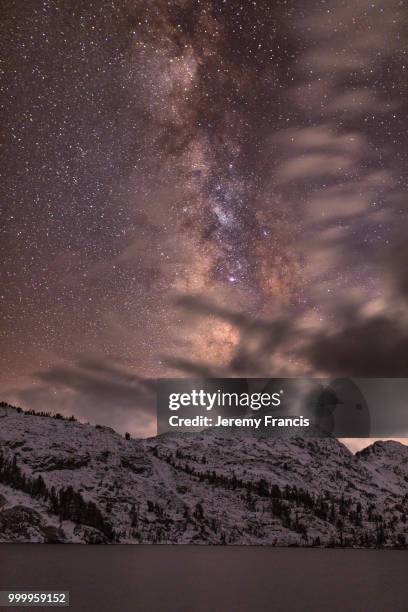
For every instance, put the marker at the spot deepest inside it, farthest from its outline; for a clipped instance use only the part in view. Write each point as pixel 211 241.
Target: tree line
pixel 66 503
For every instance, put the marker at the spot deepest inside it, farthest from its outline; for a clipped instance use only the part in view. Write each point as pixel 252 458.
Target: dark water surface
pixel 200 578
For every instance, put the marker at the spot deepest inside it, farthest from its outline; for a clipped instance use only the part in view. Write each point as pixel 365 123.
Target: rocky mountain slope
pixel 63 481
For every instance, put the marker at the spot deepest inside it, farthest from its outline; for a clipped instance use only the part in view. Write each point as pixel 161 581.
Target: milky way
pixel 200 186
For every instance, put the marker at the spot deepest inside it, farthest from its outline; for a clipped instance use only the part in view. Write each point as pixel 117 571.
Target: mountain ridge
pixel 65 481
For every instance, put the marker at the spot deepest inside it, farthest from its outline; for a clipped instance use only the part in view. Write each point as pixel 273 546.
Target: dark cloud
pixel 374 347
pixel 397 268
pixel 359 344
pixel 97 391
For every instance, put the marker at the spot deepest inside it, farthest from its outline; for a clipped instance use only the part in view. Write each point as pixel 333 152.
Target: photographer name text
pixel 245 422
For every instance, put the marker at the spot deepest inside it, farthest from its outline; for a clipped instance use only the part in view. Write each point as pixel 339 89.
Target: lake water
pixel 216 579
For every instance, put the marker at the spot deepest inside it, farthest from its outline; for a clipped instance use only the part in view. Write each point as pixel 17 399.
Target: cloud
pixel 396 259
pixel 360 101
pixel 360 339
pixel 339 60
pixel 372 347
pixel 329 206
pixel 311 166
pixel 318 152
pixel 94 390
pixel 336 170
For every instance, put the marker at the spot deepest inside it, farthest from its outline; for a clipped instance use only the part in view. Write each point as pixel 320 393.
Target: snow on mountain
pixel 61 480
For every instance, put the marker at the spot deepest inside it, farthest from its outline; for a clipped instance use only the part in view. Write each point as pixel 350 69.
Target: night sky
pixel 200 186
